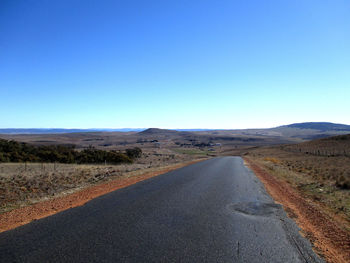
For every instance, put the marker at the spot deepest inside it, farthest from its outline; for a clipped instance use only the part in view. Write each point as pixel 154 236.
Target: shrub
pixel 11 151
pixel 134 153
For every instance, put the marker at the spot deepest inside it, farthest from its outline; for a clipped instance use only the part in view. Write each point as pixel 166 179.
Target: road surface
pixel 212 211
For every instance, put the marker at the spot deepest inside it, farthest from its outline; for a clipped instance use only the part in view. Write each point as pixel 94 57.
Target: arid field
pixel 324 178
pixel 26 183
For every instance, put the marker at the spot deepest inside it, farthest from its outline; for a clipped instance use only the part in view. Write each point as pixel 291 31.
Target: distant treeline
pixel 12 151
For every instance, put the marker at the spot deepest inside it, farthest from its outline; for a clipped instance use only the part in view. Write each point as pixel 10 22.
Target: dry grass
pixel 272 160
pixel 319 178
pixel 30 182
pixel 23 184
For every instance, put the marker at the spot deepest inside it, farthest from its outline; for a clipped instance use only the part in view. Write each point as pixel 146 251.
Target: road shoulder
pixel 329 239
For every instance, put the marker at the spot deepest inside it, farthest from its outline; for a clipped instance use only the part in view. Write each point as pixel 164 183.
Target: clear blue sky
pixel 173 64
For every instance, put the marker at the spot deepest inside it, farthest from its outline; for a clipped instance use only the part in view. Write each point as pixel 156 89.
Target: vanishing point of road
pixel 212 211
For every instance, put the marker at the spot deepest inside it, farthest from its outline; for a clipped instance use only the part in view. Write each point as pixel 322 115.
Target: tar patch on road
pixel 255 208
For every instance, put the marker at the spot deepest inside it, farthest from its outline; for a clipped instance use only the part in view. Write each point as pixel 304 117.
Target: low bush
pixel 12 151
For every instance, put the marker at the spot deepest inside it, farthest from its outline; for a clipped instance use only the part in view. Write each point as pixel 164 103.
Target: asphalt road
pixel 212 211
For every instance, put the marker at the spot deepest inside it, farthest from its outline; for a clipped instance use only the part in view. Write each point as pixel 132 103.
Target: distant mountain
pixel 194 130
pixel 292 132
pixel 58 130
pixel 40 131
pixel 312 130
pixel 156 131
pixel 320 126
pixel 296 132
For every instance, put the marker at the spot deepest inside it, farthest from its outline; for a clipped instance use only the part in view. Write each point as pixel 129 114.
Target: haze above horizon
pixel 173 64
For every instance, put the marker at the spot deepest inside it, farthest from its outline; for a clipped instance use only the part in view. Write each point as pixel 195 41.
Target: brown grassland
pixel 311 180
pixel 23 184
